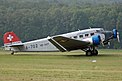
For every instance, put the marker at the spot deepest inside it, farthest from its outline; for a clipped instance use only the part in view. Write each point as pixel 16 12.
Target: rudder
pixel 11 38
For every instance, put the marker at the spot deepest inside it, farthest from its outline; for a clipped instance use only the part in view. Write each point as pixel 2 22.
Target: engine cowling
pixel 114 33
pixel 96 40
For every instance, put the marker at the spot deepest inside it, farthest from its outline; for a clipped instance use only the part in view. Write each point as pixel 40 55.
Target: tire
pixel 88 53
pixel 95 52
pixel 12 53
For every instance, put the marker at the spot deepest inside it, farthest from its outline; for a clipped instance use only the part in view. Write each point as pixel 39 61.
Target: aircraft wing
pixel 68 44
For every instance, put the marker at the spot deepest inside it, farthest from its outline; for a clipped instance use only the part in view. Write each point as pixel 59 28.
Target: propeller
pixel 109 43
pixel 117 26
pixel 114 35
pixel 118 38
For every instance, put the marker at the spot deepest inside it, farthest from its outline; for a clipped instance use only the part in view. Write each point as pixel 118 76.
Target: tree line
pixel 41 18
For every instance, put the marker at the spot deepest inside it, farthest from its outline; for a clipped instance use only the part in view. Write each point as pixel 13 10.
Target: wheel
pixel 95 52
pixel 12 53
pixel 88 53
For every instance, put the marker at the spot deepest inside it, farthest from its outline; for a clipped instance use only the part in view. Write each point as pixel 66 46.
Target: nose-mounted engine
pixel 114 34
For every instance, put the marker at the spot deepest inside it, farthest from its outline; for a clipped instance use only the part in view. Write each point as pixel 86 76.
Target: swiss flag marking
pixel 10 37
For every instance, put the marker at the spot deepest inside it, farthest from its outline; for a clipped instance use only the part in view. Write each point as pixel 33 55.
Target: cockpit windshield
pixel 100 30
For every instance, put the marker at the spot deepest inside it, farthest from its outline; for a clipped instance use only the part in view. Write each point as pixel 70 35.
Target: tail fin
pixel 10 38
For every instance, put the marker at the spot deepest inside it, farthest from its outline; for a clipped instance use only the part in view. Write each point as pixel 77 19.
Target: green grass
pixel 57 66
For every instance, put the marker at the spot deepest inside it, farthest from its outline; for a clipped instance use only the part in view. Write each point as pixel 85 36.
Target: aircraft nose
pixel 116 34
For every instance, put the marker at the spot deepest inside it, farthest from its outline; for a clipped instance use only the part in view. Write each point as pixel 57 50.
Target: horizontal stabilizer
pixel 16 45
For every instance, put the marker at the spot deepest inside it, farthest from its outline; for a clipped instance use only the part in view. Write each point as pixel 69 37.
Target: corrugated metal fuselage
pixel 45 45
pixel 37 45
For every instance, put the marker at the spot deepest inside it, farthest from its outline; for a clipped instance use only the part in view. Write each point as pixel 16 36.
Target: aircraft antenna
pixel 79 30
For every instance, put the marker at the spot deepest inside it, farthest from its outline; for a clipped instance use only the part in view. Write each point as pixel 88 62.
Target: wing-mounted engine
pixel 96 40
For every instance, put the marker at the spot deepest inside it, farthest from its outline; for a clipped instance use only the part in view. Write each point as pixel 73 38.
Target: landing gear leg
pixel 95 52
pixel 91 51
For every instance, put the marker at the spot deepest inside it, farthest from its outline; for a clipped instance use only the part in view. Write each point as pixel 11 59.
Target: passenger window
pixel 86 35
pixel 92 34
pixel 75 37
pixel 98 31
pixel 80 36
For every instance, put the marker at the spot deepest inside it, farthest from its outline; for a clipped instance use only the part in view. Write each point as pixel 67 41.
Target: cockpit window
pixel 101 30
pixel 98 31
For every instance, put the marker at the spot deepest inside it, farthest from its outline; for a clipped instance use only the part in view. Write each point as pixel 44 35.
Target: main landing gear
pixel 91 52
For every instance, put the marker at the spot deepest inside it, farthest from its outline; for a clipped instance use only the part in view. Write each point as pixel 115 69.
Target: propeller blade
pixel 102 43
pixel 109 43
pixel 118 37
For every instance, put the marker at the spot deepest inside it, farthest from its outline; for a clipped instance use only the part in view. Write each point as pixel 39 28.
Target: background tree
pixel 32 19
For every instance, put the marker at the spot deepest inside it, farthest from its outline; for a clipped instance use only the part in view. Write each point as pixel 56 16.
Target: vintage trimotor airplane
pixel 86 40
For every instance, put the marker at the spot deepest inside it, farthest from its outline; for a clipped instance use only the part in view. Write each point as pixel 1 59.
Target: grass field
pixel 57 66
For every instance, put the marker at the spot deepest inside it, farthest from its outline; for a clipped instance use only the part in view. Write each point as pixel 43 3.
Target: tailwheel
pixel 88 53
pixel 12 53
pixel 95 52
